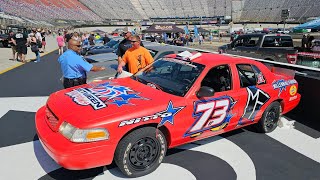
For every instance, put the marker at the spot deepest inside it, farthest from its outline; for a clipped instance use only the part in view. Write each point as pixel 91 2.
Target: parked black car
pixel 4 40
pixel 273 47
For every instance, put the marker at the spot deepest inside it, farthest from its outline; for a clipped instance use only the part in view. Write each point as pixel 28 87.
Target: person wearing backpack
pixel 34 47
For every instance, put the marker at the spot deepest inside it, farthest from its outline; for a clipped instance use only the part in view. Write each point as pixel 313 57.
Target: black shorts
pixel 21 49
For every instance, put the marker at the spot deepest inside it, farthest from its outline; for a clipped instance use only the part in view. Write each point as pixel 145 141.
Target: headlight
pixel 83 135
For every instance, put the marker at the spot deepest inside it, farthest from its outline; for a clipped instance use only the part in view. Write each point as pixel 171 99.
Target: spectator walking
pixel 210 38
pixel 39 40
pixel 309 45
pixel 13 46
pixel 84 39
pixel 124 45
pixel 44 43
pixel 76 36
pixel 60 41
pixel 220 37
pixel 21 40
pixel 34 47
pixel 91 40
pixel 137 57
pixel 180 41
pixel 106 39
pixel 304 42
pixel 67 37
pixel 74 68
pixel 200 39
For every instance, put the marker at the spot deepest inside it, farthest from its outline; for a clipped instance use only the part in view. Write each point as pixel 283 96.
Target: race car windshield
pixel 170 75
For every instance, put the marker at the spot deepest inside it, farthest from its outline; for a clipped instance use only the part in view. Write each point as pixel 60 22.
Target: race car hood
pixel 111 99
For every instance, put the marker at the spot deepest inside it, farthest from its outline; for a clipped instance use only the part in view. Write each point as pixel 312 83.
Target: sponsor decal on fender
pixel 99 96
pixel 293 90
pixel 282 84
pixel 293 98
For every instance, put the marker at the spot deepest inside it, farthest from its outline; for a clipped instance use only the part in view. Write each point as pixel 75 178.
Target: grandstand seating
pixel 271 10
pixel 48 10
pixel 99 10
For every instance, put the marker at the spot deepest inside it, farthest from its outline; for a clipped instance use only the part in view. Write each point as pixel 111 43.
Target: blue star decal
pixel 171 112
pixel 129 96
pixel 120 102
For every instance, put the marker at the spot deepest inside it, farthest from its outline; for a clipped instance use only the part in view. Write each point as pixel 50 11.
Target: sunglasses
pixel 134 41
pixel 77 45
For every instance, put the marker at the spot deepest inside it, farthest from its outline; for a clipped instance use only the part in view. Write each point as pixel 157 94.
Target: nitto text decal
pixel 166 115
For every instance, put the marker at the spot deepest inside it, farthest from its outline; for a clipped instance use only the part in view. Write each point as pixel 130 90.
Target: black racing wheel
pixel 141 152
pixel 270 118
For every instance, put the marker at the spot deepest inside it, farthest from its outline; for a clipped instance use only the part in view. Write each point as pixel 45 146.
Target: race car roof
pixel 210 58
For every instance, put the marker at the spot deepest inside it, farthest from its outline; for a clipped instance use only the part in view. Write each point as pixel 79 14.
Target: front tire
pixel 270 118
pixel 141 152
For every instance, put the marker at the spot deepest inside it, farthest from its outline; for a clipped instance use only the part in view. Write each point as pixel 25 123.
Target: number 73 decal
pixel 210 114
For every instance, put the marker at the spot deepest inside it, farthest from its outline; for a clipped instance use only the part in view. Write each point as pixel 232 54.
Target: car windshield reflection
pixel 170 75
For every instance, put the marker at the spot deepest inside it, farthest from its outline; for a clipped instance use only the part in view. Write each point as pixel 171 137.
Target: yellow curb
pixel 15 66
pixel 28 60
pixel 8 69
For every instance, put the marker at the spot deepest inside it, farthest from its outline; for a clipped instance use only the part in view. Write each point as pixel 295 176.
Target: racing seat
pixel 218 79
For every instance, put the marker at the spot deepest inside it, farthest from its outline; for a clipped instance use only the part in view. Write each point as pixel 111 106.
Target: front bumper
pixel 74 156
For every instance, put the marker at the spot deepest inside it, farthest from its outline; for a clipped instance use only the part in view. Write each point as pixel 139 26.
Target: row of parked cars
pixel 105 57
pixel 271 47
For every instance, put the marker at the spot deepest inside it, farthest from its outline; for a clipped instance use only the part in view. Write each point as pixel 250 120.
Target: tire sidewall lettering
pixel 125 157
pixel 162 147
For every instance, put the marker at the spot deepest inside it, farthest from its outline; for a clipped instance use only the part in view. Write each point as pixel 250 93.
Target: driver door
pixel 215 114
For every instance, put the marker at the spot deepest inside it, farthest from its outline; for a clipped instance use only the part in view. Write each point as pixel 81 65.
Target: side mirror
pixel 205 91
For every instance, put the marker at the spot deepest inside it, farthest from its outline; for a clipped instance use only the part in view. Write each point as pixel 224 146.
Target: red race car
pixel 174 101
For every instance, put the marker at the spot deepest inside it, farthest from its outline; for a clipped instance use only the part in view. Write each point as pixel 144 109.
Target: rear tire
pixel 141 152
pixel 270 118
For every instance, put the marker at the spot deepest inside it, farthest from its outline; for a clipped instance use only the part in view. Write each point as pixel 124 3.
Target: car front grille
pixel 51 119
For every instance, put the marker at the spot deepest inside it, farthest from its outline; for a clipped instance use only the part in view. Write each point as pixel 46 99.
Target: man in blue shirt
pixel 74 68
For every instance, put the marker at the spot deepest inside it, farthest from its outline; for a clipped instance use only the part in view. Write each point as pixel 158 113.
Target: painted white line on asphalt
pixel 25 161
pixel 164 171
pixel 230 153
pixel 30 161
pixel 29 104
pixel 298 141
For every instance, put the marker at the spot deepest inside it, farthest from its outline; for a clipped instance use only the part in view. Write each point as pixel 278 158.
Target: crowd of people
pixel 132 56
pixel 308 44
pixel 20 41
